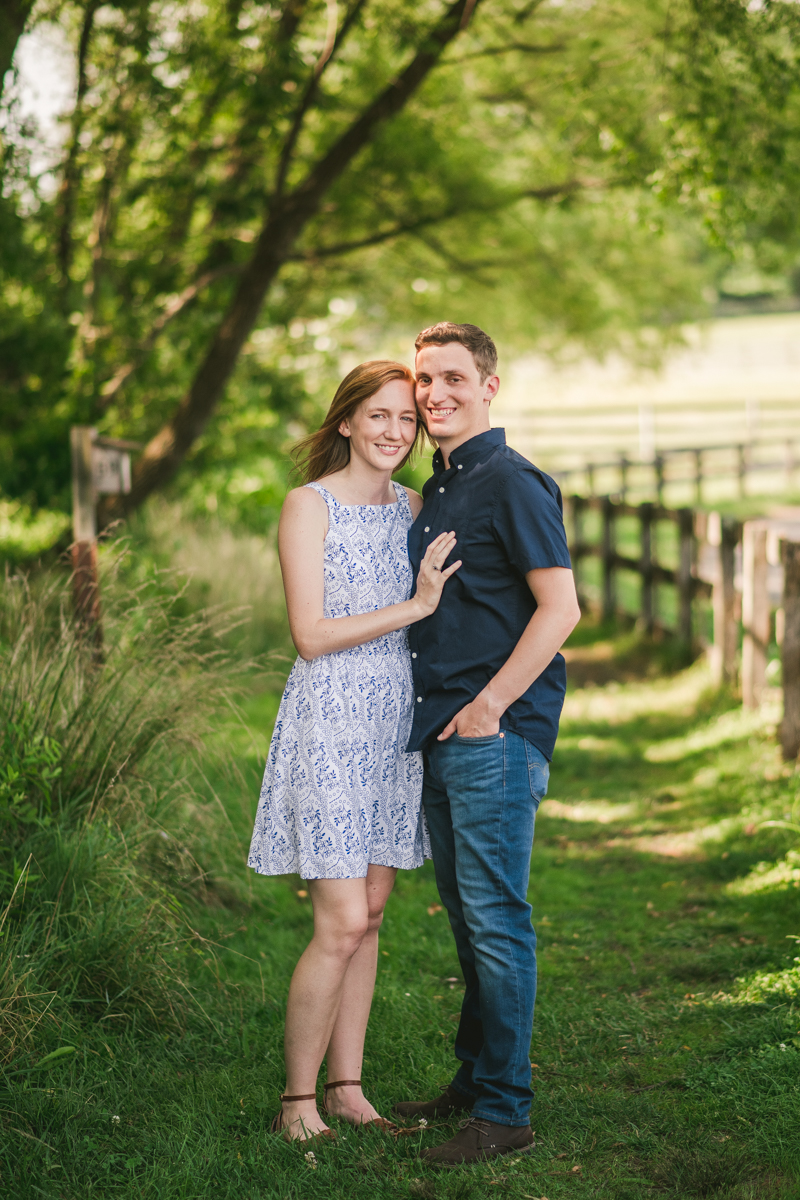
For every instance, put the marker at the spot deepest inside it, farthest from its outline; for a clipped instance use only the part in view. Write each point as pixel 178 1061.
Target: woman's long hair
pixel 327 450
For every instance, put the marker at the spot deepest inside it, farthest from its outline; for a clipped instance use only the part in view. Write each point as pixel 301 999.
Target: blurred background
pixel 210 210
pixel 209 213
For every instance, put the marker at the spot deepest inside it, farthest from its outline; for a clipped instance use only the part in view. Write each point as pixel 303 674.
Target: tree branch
pixel 333 42
pixel 402 227
pixel 282 227
pixel 172 309
pixel 13 18
pixel 65 203
pixel 522 47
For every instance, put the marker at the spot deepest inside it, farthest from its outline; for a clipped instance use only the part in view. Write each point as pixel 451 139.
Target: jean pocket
pixel 538 772
pixel 476 741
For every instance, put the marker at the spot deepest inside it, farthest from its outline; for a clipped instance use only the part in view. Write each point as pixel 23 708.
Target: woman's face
pixel 383 428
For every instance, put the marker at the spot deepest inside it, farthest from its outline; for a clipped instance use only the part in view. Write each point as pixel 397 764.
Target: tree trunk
pixel 13 16
pixel 282 229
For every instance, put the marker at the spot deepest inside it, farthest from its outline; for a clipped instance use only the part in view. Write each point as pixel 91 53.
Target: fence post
pixel 658 467
pixel 727 532
pixel 646 566
pixel 698 477
pixel 577 504
pixel 755 612
pixel 608 557
pixel 685 574
pixel 790 651
pixel 623 477
pixel 85 586
pixel 742 471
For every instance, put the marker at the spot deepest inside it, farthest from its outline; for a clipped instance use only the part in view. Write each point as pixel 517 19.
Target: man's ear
pixel 491 387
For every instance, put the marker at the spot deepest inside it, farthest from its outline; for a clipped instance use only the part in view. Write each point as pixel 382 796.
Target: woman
pixel 340 803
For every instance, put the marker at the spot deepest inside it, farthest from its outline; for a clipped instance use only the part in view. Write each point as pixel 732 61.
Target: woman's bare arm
pixel 301 536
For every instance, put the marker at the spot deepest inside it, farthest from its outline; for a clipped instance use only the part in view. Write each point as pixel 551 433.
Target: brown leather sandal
pixel 375 1123
pixel 277 1123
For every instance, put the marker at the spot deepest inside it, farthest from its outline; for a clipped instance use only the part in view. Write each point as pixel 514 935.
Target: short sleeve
pixel 527 521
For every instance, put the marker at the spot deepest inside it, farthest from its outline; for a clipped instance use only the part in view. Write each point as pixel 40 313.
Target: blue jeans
pixel 481 797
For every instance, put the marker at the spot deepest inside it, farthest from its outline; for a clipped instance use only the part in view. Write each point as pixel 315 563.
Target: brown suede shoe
pixel 445 1105
pixel 478 1139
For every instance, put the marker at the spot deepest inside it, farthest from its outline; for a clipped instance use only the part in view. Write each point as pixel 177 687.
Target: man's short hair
pixel 479 344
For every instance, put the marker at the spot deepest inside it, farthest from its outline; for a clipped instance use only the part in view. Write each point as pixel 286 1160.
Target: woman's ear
pixel 344 429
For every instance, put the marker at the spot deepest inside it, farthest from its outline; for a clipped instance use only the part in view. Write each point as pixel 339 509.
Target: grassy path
pixel 657 1073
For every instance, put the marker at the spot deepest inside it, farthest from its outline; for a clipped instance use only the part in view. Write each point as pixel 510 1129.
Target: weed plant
pixel 666 1053
pixel 94 756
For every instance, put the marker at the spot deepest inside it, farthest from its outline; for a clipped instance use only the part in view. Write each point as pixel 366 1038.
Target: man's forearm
pixel 544 636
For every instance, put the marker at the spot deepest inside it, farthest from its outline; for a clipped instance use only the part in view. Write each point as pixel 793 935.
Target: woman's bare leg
pixel 346 1046
pixel 341 920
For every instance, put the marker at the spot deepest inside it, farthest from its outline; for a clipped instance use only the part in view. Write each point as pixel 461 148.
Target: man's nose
pixel 437 391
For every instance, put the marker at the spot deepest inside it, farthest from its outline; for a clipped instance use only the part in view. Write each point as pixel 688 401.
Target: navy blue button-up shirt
pixel 507 517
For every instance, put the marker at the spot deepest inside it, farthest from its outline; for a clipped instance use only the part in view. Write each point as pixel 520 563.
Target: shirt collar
pixel 476 450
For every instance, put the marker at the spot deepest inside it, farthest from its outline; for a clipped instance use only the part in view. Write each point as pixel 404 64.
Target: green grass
pixel 667 1037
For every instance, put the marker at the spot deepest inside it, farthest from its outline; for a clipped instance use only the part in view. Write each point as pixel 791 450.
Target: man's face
pixel 452 401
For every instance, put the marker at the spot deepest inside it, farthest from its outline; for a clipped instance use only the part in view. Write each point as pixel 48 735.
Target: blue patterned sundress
pixel 339 789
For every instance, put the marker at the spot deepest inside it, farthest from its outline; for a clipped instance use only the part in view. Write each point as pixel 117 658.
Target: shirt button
pixel 460 465
pixel 427 528
pixel 413 654
pixel 419 699
pixel 441 489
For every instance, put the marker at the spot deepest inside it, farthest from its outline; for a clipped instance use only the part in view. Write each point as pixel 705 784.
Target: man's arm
pixel 556 615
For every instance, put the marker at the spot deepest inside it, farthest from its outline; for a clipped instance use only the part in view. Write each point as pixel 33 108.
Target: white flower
pixel 423 1122
pixel 783 1045
pixel 115 1120
pixel 311 1159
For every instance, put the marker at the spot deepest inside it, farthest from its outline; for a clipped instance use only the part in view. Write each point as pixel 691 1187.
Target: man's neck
pixel 448 446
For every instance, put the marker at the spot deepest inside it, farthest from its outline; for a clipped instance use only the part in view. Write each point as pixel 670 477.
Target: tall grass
pixel 92 757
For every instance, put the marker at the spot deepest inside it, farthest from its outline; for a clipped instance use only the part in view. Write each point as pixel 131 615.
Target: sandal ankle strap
pixel 309 1096
pixel 326 1087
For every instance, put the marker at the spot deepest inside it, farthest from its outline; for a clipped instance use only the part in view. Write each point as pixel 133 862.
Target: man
pixel 489 687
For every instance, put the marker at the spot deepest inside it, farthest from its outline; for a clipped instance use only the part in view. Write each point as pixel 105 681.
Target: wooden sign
pixel 111 470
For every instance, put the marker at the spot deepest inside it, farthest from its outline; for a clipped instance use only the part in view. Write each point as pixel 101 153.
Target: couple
pixel 445 702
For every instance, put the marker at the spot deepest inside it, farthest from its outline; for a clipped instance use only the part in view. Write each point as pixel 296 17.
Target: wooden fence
pixel 689 467
pixel 750 571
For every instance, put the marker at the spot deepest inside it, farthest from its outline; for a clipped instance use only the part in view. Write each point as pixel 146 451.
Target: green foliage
pixel 530 184
pixel 30 767
pixel 91 758
pixel 665 1050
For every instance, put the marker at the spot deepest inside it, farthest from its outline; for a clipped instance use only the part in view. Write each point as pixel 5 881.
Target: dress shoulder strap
pixel 327 496
pixel 401 493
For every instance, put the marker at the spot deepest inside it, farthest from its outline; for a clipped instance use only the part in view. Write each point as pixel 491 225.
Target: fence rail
pixel 658 473
pixel 749 570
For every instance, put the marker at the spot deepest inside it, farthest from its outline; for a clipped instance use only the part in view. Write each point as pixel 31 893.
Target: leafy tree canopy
pixel 253 195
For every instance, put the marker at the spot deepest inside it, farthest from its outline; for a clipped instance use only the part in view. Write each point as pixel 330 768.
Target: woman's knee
pixel 344 935
pixel 375 918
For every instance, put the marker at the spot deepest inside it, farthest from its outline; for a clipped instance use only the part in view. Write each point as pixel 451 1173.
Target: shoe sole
pixel 484 1158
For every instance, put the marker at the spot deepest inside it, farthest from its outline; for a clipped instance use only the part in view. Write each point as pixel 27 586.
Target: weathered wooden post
pixel 742 471
pixel 685 574
pixel 608 551
pixel 98 465
pixel 85 587
pixel 658 467
pixel 790 651
pixel 578 507
pixel 724 533
pixel 646 566
pixel 698 477
pixel 755 612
